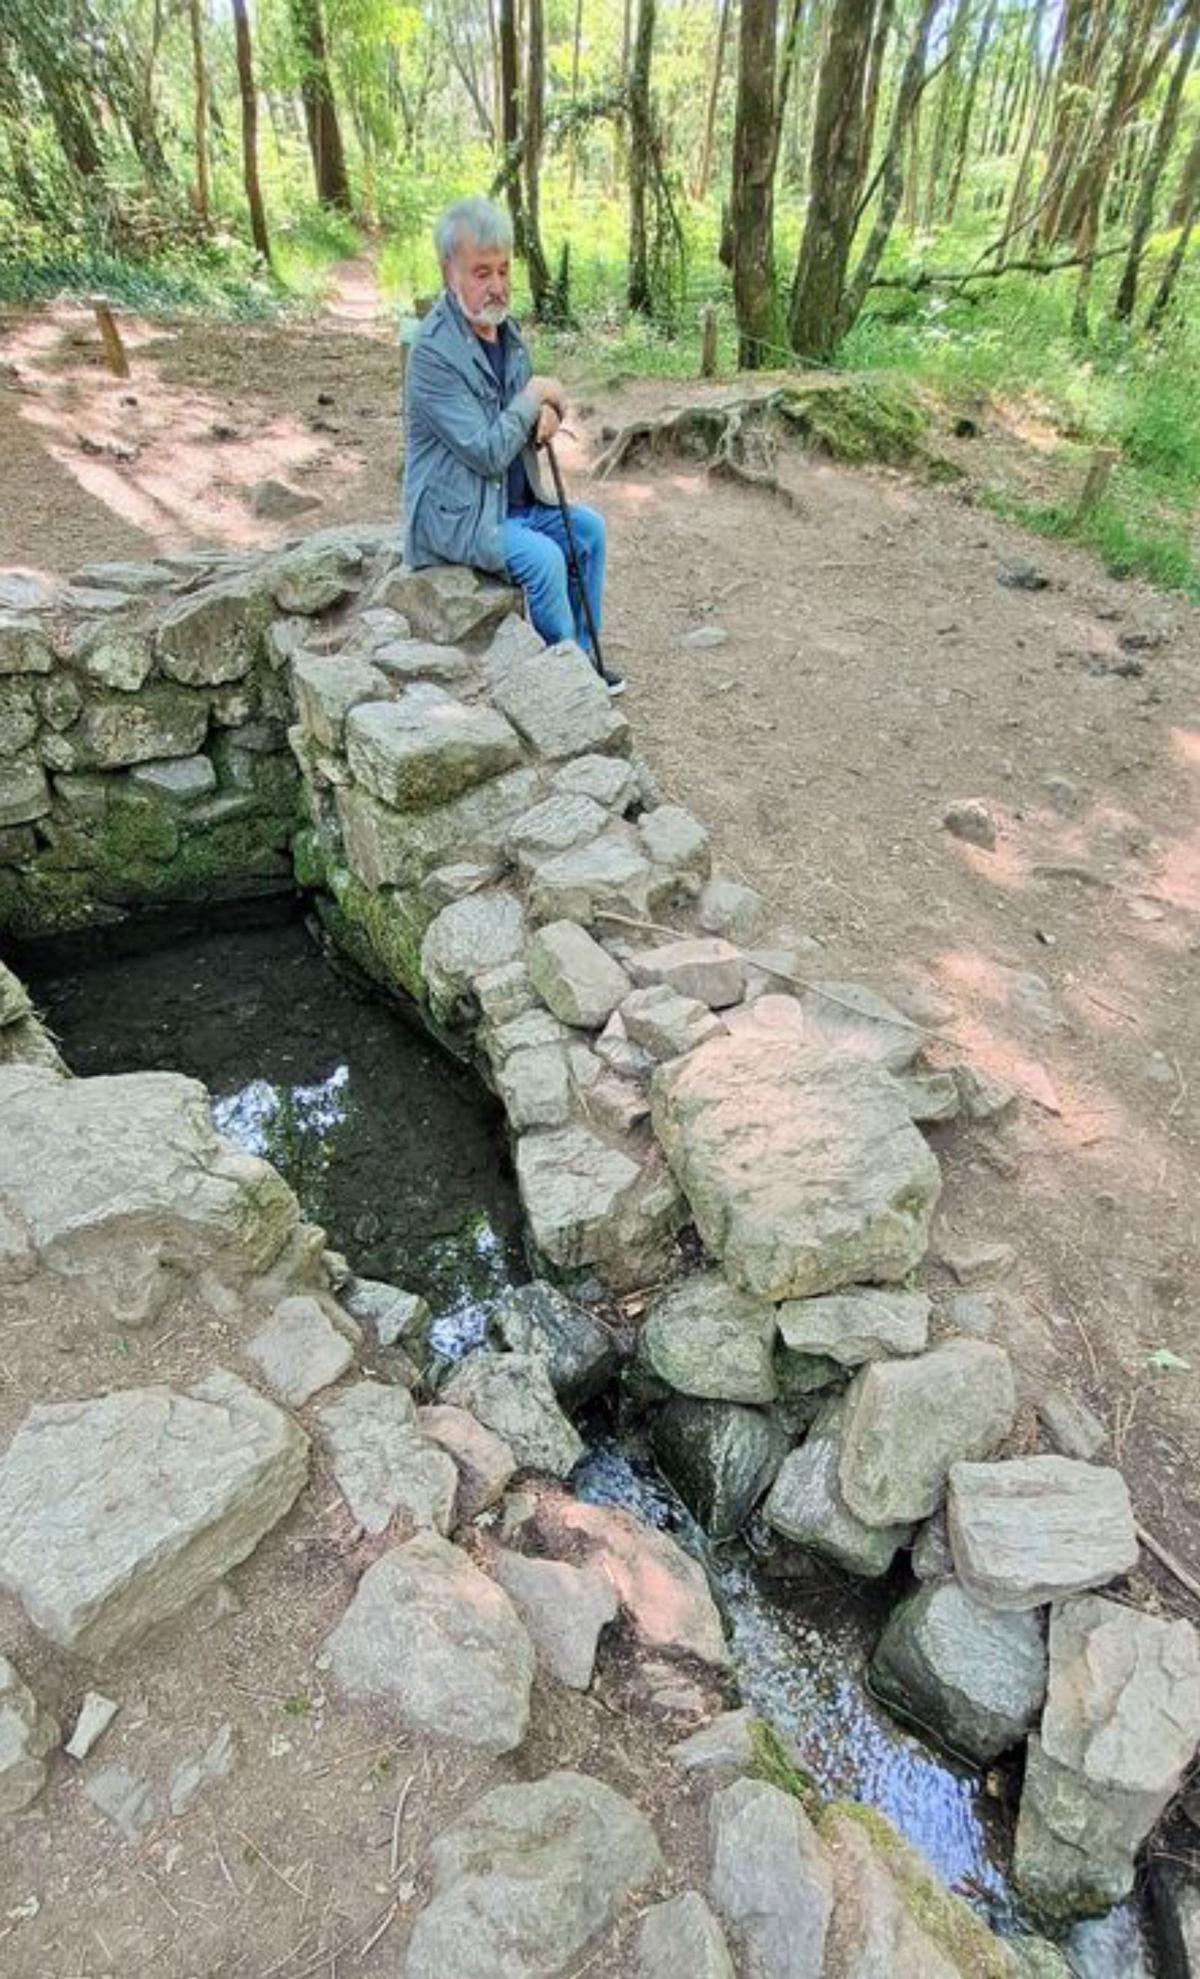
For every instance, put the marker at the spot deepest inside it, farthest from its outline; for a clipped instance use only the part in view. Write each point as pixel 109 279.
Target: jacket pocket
pixel 446 526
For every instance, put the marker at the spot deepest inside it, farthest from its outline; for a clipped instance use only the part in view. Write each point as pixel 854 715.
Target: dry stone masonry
pixel 463 809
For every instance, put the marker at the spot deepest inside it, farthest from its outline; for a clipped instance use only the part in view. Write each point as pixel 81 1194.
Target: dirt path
pixel 879 664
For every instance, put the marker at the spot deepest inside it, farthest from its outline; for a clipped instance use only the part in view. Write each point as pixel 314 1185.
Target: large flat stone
pixel 705 1338
pixel 771 1880
pixel 385 1466
pixel 327 687
pixel 467 938
pixel 448 603
pixel 1036 1528
pixel 299 1351
pixel 116 730
pixel 574 1187
pixel 1076 1841
pixel 804 1173
pixel 440 1643
pixel 555 825
pixel 609 875
pixel 1123 1707
pixel 525 1882
pixel 215 634
pixel 703 968
pixel 564 1609
pixel 974 1677
pixel 122 1181
pixel 873 1933
pixel 558 701
pixel 908 1421
pixel 866 1324
pixel 662 1590
pixel 512 1396
pixel 116 1513
pixel 426 748
pixel 806 1504
pixel 398 848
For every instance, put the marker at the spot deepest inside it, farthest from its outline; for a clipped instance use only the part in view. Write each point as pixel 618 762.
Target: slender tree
pixel 1178 255
pixel 320 107
pixel 641 143
pixel 535 136
pixel 704 172
pixel 199 109
pixel 1188 186
pixel 245 71
pixel 510 103
pixel 962 140
pixel 908 96
pixel 755 144
pixel 834 181
pixel 1152 171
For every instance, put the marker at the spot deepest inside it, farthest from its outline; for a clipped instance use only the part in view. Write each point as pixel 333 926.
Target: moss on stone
pixel 944 1918
pixel 770 1761
pixel 860 420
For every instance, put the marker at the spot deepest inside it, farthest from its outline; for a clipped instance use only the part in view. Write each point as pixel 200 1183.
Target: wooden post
pixel 1100 467
pixel 114 349
pixel 708 340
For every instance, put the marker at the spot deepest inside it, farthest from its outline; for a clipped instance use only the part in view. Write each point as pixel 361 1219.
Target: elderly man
pixel 475 416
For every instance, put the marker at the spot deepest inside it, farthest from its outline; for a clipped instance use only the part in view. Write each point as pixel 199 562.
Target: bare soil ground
pixel 878 665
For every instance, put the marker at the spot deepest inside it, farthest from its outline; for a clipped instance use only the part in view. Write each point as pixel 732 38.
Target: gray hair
pixel 476 219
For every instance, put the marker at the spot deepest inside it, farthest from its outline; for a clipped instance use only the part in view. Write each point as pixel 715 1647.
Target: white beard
pixel 489 318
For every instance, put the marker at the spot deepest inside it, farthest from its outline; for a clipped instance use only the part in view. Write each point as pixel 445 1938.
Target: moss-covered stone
pixel 382 931
pixel 860 419
pixel 770 1761
pixel 944 1918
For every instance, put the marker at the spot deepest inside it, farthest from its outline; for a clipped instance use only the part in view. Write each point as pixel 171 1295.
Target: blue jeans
pixel 535 551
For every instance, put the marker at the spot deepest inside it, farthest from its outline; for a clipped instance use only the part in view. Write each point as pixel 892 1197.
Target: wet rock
pixel 735 912
pixel 564 1609
pixel 705 1338
pixel 28 1734
pixel 609 875
pixel 555 825
pixel 14 998
pixel 1076 1842
pixel 1109 1947
pixel 580 1356
pixel 327 688
pixel 214 1762
pixel 873 1933
pixel 971 820
pixel 666 1024
pixel 664 1592
pixel 314 576
pixel 704 969
pixel 534 1088
pixel 384 1466
pixel 298 1351
pixel 215 634
pixel 558 702
pixel 511 1395
pixel 908 1421
pixel 117 730
pixel 856 1326
pixel 1036 1528
pixel 526 1880
pixel 720 1457
pixel 804 1173
pixel 96 1714
pixel 440 1642
pixel 484 1461
pixel 575 976
pixel 771 1879
pixel 806 1504
pixel 609 780
pixel 118 1512
pixel 449 603
pixel 675 840
pixel 184 780
pixel 466 938
pixel 977 1678
pixel 396 1318
pixel 681 1939
pixel 1176 1901
pixel 426 748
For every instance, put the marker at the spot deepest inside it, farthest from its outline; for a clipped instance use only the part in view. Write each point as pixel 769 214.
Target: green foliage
pixel 770 1762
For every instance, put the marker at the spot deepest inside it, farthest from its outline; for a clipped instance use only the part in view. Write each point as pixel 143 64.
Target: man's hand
pixel 550 391
pixel 547 426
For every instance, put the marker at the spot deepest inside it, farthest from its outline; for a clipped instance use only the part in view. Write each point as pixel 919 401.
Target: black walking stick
pixel 573 562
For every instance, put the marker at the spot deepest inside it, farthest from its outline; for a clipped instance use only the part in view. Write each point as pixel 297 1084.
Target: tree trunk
pixel 245 70
pixel 535 137
pixel 908 97
pixel 320 109
pixel 752 203
pixel 1170 275
pixel 510 102
pixel 834 181
pixel 576 49
pixel 641 139
pixel 948 95
pixel 1184 201
pixel 1083 33
pixel 1138 69
pixel 700 189
pixel 879 42
pixel 962 141
pixel 1160 151
pixel 1017 219
pixel 200 110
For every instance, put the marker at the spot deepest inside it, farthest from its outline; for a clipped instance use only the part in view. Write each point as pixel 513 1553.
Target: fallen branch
pixel 1167 1559
pixel 927 278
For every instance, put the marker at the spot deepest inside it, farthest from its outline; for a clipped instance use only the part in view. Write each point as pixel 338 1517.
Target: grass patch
pixel 770 1762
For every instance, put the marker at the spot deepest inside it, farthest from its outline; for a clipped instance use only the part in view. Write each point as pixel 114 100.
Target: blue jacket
pixel 459 442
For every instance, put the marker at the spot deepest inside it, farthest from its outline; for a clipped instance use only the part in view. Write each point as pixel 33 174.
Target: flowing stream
pixel 399 1154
